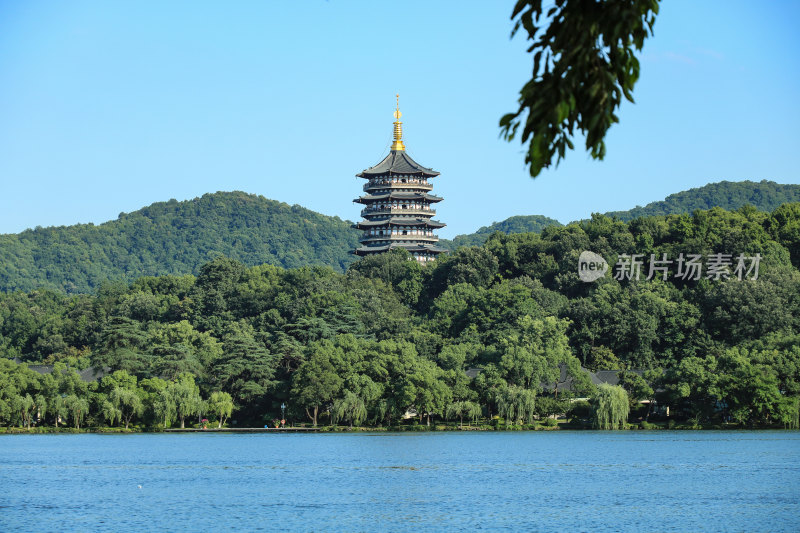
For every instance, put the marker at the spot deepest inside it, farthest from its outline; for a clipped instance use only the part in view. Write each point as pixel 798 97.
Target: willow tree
pixel 110 412
pixel 517 404
pixel 78 408
pixel 610 407
pixel 186 394
pixel 165 405
pixel 350 408
pixel 127 403
pixel 462 409
pixel 221 404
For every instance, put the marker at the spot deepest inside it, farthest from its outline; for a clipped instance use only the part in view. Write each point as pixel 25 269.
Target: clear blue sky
pixel 106 107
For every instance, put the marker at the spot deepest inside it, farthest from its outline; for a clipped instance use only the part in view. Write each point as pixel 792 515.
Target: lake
pixel 528 481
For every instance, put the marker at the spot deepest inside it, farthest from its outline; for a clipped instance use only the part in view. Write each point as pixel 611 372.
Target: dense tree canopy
pixel 764 195
pixel 508 327
pixel 174 238
pixel 178 238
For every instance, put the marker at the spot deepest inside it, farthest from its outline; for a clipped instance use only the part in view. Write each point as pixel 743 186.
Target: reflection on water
pixel 565 481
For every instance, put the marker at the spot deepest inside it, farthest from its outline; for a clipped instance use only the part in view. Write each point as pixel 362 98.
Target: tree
pixel 610 407
pixel 517 404
pixel 78 409
pixel 187 397
pixel 221 404
pixel 350 408
pixel 395 268
pixel 693 382
pixel 532 356
pixel 464 408
pixel 636 386
pixel 58 409
pixel 583 64
pixel 27 410
pixel 164 404
pixel 122 346
pixel 246 370
pixel 127 402
pixel 110 412
pixel 316 382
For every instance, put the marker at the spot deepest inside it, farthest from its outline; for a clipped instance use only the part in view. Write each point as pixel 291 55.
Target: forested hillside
pixel 517 224
pixel 178 237
pixel 389 335
pixel 763 195
pixel 174 238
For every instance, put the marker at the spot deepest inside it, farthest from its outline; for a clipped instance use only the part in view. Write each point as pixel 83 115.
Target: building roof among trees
pixel 89 375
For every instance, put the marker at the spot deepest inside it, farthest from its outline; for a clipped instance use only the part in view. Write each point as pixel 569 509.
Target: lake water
pixel 527 481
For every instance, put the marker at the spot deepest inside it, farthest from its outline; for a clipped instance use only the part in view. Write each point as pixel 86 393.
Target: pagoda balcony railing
pixel 402 181
pixel 419 186
pixel 396 237
pixel 398 211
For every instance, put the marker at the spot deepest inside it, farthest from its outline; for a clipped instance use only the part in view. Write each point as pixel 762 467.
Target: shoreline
pixel 364 429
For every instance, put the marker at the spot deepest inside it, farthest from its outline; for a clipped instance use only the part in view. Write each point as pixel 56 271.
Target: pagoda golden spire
pixel 398 128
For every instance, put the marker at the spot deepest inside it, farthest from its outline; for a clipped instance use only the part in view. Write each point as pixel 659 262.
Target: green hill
pixel 174 238
pixel 731 195
pixel 517 224
pixel 178 237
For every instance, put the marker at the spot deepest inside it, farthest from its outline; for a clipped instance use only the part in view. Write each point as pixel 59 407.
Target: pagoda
pixel 398 210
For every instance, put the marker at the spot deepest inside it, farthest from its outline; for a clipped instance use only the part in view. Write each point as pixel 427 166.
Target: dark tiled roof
pixel 399 196
pixel 610 377
pixel 399 221
pixel 415 247
pixel 397 162
pixel 89 375
pixel 472 373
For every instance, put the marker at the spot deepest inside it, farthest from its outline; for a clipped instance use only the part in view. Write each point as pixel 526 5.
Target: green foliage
pixel 221 404
pixel 765 196
pixel 507 328
pixel 174 238
pixel 516 224
pixel 729 195
pixel 584 62
pixel 350 408
pixel 186 395
pixel 517 404
pixel 636 386
pixel 463 408
pixel 610 407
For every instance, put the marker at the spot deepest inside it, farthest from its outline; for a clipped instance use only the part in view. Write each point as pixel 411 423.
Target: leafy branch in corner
pixel 584 62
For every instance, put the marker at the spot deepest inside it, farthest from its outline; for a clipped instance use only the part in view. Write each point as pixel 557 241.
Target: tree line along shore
pixel 500 335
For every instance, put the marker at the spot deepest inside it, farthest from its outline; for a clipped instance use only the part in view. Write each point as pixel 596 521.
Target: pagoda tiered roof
pixel 416 247
pixel 395 195
pixel 398 162
pixel 399 221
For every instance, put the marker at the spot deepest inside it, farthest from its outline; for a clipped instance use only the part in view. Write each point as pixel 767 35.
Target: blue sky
pixel 106 107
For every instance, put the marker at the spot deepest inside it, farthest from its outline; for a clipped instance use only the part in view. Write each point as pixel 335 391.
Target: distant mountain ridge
pixel 764 195
pixel 515 224
pixel 178 237
pixel 731 195
pixel 174 238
